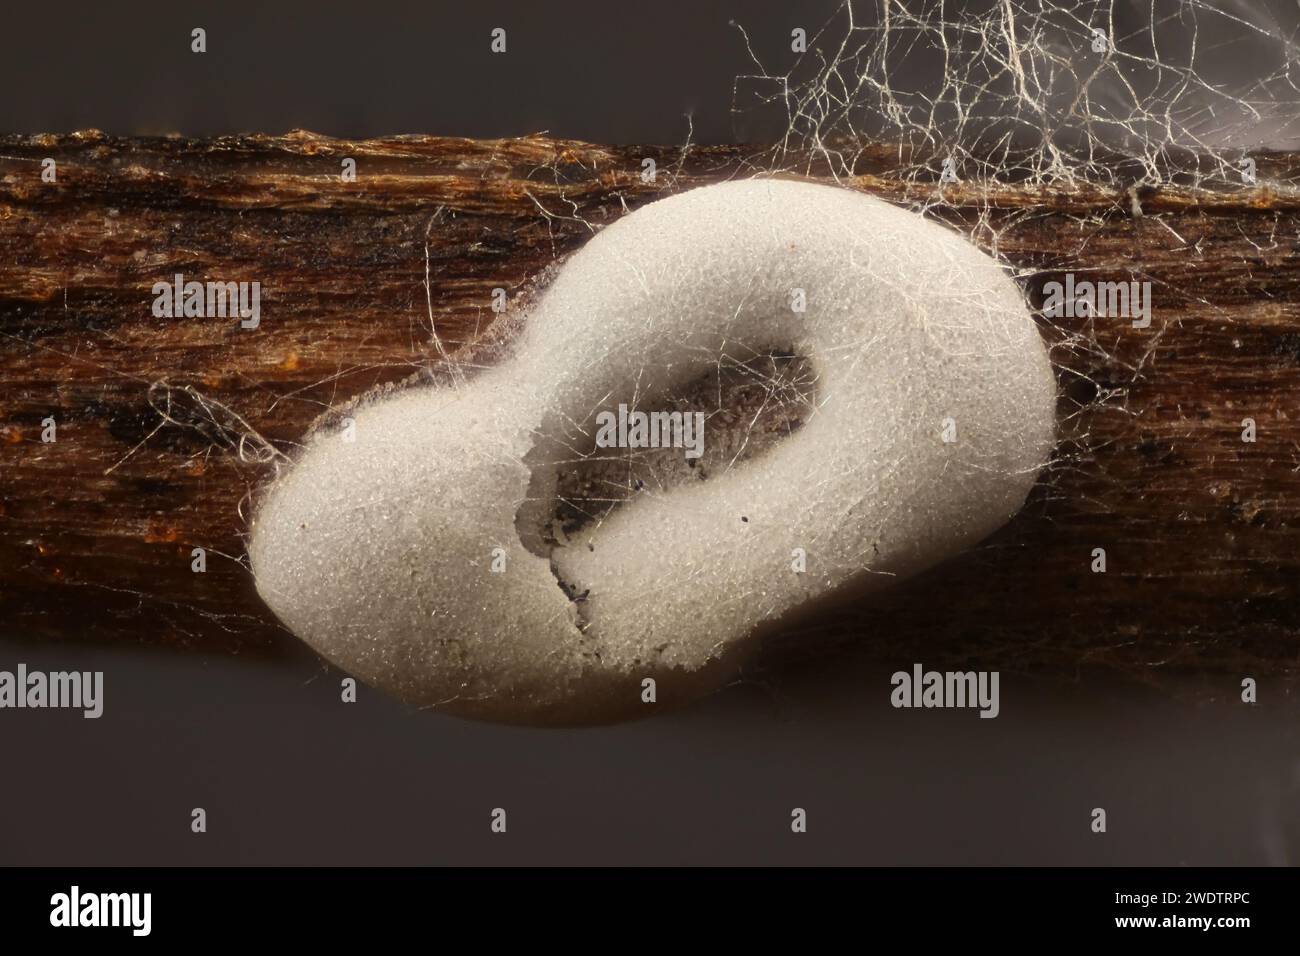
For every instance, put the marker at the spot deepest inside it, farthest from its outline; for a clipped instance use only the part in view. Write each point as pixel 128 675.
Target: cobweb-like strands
pixel 1099 91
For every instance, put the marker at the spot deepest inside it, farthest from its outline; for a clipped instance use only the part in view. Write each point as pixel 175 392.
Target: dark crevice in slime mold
pixel 749 407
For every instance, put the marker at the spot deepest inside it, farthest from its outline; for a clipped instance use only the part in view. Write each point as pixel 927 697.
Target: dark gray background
pixel 594 69
pixel 288 774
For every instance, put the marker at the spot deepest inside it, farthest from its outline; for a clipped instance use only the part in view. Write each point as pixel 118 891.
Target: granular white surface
pixel 378 552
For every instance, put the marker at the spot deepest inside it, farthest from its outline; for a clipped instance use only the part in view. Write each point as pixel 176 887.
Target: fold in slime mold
pixel 413 553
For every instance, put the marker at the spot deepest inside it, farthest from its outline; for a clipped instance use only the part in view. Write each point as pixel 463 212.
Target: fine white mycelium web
pixel 1103 92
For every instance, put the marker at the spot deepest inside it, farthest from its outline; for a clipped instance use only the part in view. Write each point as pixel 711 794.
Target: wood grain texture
pixel 1200 528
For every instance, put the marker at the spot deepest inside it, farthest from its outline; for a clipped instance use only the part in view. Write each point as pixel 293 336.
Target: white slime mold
pixel 379 552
